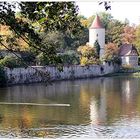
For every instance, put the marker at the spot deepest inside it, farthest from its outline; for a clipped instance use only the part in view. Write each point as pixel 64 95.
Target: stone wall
pixel 31 75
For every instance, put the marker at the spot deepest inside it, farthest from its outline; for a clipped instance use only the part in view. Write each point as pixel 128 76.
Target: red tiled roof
pixel 96 23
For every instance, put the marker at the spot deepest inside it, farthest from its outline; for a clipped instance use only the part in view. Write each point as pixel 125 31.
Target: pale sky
pixel 119 10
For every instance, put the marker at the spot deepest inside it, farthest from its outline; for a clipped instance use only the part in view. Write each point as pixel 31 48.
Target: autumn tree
pixel 88 55
pixel 83 21
pixel 60 16
pixel 10 40
pixel 129 34
pixel 48 16
pixel 111 53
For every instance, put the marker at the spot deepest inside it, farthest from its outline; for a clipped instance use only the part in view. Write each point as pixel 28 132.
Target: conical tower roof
pixel 96 23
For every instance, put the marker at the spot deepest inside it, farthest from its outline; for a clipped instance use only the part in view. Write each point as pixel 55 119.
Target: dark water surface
pixel 99 108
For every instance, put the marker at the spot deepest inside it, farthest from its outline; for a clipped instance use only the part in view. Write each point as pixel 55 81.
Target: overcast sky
pixel 119 10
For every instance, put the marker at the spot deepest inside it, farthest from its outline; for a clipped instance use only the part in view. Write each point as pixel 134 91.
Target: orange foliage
pixel 5 32
pixel 111 50
pixel 129 35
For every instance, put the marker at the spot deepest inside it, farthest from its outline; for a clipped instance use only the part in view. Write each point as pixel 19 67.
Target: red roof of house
pixel 96 23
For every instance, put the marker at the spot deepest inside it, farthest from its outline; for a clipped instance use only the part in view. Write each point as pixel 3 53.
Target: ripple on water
pixel 74 131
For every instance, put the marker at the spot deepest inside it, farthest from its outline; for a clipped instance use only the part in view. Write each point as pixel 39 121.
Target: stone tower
pixel 97 32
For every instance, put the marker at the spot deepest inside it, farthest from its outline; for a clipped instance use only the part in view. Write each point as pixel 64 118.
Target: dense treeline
pixel 46 33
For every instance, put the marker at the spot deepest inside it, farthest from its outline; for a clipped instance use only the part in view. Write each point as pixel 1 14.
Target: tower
pixel 97 32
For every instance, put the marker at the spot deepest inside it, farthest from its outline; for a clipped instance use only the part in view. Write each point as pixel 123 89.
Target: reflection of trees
pixel 117 98
pixel 96 101
pixel 123 102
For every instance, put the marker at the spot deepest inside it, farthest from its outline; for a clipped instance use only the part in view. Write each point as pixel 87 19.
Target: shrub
pixel 28 57
pixel 11 62
pixel 88 55
pixel 70 58
pixel 91 61
pixel 41 59
pixel 117 60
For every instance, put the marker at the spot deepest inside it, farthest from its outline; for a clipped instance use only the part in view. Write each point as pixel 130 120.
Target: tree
pixel 137 39
pixel 111 52
pixel 129 34
pixel 56 38
pixel 114 31
pixel 50 15
pixel 90 20
pixel 97 48
pixel 11 40
pixel 88 55
pixel 126 21
pixel 83 21
pixel 106 18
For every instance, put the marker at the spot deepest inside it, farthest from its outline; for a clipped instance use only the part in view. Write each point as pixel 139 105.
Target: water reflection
pixel 98 106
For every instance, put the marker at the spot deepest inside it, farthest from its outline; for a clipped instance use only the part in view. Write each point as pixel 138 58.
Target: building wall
pixel 130 60
pixel 30 75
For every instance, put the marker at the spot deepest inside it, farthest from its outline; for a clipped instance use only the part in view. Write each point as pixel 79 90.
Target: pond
pixel 106 107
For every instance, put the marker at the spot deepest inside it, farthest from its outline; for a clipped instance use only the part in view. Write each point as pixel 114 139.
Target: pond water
pixel 106 107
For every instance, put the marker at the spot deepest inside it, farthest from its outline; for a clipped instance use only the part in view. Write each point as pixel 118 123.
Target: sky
pixel 119 10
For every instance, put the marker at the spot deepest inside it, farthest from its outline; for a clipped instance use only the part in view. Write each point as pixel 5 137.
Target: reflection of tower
pixel 93 112
pixel 103 103
pixel 97 32
pixel 98 112
pixel 126 90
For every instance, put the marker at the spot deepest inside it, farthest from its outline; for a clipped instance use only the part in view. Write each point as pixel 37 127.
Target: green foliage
pixel 55 38
pixel 97 48
pixel 113 27
pixel 48 16
pixel 11 62
pixel 114 32
pixel 117 60
pixel 52 15
pixel 70 58
pixel 67 58
pixel 137 40
pixel 28 57
pixel 106 18
pixel 42 60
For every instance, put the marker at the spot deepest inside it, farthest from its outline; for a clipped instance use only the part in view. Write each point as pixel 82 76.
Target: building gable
pixel 128 50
